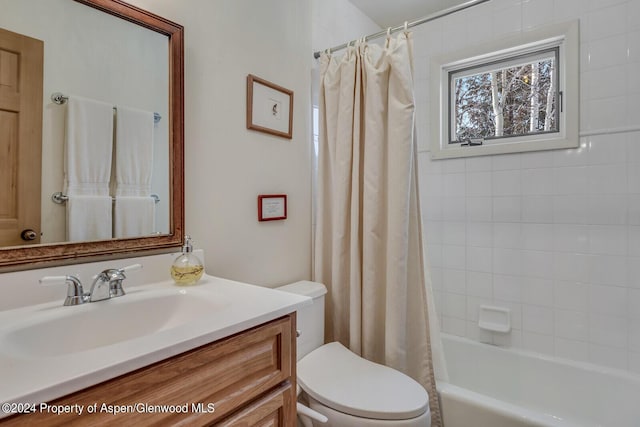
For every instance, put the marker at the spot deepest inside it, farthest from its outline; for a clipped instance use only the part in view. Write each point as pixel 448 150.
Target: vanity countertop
pixel 52 365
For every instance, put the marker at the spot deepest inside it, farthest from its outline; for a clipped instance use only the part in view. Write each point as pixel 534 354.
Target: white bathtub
pixel 495 387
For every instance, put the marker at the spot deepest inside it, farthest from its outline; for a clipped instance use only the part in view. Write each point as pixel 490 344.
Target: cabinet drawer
pixel 228 374
pixel 273 410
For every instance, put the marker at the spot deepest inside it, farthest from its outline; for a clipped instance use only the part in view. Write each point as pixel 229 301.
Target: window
pixel 518 95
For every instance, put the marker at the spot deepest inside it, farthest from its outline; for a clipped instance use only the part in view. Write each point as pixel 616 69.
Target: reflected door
pixel 21 66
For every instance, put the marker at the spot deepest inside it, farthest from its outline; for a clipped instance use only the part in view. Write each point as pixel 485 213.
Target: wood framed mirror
pixel 58 252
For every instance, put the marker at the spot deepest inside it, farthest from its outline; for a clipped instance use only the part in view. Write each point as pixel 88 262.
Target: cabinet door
pixel 273 410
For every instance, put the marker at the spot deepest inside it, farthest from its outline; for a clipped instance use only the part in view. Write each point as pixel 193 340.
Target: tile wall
pixel 552 235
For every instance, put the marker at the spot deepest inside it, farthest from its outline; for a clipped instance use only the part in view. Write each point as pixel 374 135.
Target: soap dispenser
pixel 187 269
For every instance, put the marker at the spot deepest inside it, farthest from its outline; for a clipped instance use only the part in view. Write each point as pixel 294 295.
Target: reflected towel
pixel 88 147
pixel 89 218
pixel 134 152
pixel 134 216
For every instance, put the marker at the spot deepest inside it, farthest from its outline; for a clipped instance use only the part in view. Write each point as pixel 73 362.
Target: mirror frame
pixel 27 257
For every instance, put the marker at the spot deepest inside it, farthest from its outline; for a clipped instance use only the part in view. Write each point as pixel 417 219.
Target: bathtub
pixel 494 387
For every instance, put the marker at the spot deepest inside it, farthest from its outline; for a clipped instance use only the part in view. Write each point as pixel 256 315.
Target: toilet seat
pixel 341 380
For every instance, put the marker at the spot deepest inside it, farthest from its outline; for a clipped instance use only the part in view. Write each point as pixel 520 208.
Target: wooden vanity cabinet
pixel 247 379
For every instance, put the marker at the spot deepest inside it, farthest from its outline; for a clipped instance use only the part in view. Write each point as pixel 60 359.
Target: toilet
pixel 343 387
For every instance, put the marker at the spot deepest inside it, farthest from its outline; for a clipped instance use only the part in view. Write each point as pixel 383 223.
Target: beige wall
pixel 228 166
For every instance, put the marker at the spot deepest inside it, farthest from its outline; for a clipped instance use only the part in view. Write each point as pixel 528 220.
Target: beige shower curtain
pixel 368 244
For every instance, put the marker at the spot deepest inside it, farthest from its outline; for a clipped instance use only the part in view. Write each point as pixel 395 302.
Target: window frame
pixel 564 37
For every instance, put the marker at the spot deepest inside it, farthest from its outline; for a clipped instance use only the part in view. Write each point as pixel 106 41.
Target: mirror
pixel 109 33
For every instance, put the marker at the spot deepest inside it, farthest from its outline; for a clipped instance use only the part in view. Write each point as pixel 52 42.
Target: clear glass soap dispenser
pixel 187 269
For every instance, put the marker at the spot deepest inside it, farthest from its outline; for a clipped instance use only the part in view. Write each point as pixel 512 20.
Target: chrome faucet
pixel 106 285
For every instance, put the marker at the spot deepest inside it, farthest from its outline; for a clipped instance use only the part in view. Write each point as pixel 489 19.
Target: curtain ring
pixel 388 31
pixel 406 26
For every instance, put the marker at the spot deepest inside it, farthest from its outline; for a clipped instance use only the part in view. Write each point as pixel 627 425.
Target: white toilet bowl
pixel 354 392
pixel 347 389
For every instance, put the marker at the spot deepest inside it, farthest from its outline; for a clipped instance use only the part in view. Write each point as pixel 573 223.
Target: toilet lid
pixel 341 380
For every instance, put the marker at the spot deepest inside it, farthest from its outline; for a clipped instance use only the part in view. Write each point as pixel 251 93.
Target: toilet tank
pixel 310 319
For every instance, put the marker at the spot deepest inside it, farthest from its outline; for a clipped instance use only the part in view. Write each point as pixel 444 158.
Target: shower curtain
pixel 368 242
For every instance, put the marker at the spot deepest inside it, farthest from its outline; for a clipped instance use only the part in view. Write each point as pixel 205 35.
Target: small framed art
pixel 272 207
pixel 269 107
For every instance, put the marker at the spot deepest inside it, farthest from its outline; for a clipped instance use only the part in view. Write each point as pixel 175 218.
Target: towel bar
pixel 59 98
pixel 60 198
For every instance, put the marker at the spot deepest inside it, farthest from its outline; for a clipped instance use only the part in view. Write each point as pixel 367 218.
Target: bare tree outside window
pixel 508 99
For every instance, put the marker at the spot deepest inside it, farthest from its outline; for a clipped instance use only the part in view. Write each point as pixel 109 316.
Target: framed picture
pixel 269 107
pixel 272 207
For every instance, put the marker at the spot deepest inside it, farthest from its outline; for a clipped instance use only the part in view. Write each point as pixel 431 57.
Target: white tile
pixel 516 312
pixel 607 22
pixel 431 208
pixel 608 300
pixel 633 272
pixel 634 362
pixel 454 209
pixel 571 296
pixel 479 184
pixel 608 356
pixel 454 233
pixel 608 239
pixel 633 46
pixel 537 237
pixel 607 149
pixel 536 13
pixel 607 52
pixel 570 180
pixel 634 241
pixel 507 209
pixel 608 270
pixel 537 264
pixel 573 325
pixel 455 306
pixel 479 259
pixel 608 330
pixel 633 178
pixel 452 165
pixel 507 183
pixel 479 284
pixel 477 334
pixel 538 209
pixel 537 291
pixel 480 234
pixel 507 261
pixel 454 281
pixel 454 184
pixel 607 209
pixel 511 340
pixel 478 164
pixel 607 179
pixel 571 238
pixel 473 307
pixel 479 209
pixel 435 274
pixel 454 257
pixel 634 336
pixel 507 288
pixel 605 113
pixel 603 83
pixel 570 209
pixel 431 185
pixel 538 343
pixel 434 254
pixel 634 304
pixel 537 159
pixel 454 326
pixel 507 20
pixel 506 162
pixel 633 147
pixel 572 350
pixel 507 235
pixel 634 209
pixel 571 156
pixel 537 182
pixel 571 267
pixel 537 319
pixel 432 232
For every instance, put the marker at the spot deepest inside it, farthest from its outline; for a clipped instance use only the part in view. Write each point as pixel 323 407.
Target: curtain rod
pixel 428 18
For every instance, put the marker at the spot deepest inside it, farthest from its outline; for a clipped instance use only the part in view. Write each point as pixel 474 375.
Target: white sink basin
pixel 56 331
pixel 48 351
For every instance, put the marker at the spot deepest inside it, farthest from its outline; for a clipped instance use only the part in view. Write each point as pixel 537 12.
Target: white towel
pixel 134 216
pixel 134 152
pixel 88 147
pixel 89 218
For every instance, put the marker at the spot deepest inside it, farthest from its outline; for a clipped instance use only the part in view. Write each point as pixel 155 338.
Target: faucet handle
pixel 133 267
pixel 75 292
